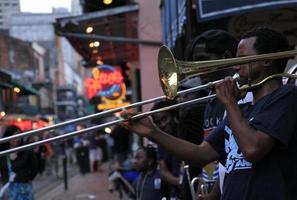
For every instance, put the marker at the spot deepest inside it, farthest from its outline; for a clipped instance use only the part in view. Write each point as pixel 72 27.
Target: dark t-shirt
pixel 213 115
pixel 275 175
pixel 149 186
pixel 25 166
pixel 121 138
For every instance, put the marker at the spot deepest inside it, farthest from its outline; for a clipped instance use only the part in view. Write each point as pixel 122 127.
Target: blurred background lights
pixel 89 29
pixel 96 44
pixel 107 130
pixel 2 114
pixel 17 90
pixel 99 62
pixel 107 2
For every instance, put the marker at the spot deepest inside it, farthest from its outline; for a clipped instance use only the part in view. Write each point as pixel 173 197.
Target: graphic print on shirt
pixel 235 159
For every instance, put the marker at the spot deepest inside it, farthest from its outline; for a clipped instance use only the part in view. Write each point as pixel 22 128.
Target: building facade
pixel 7 9
pixel 61 67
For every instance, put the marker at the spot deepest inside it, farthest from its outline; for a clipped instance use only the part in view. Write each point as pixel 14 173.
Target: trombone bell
pixel 168 72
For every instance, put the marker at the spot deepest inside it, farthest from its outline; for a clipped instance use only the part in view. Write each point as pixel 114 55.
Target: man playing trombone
pixel 256 144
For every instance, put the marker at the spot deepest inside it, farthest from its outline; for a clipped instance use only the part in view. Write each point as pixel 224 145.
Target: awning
pixel 214 9
pixel 25 89
pixel 112 28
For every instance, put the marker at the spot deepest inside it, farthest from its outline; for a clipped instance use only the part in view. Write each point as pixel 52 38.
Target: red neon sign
pixel 23 124
pixel 101 79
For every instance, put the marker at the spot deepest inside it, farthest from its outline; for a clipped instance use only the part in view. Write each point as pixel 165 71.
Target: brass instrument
pixel 171 71
pixel 202 188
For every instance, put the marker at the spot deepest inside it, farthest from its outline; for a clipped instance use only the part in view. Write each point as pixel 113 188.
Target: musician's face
pixel 253 70
pixel 165 121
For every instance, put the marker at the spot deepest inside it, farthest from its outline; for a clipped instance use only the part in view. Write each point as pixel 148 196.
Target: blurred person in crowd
pixel 122 147
pixel 102 144
pixel 47 152
pixel 81 146
pixel 95 153
pixel 17 169
pixel 57 157
pixel 110 145
pixel 148 185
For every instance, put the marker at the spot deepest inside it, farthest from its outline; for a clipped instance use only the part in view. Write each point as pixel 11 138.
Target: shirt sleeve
pixel 217 141
pixel 278 118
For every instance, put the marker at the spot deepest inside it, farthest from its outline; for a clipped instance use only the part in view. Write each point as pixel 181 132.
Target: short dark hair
pixel 269 41
pixel 9 131
pixel 151 153
pixel 217 41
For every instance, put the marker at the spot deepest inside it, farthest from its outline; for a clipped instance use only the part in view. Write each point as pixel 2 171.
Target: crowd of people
pixel 87 152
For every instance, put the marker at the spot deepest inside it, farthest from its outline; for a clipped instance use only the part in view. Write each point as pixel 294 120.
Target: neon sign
pixel 107 82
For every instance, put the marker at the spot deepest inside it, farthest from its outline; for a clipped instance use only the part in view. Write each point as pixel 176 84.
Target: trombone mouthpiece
pixel 236 76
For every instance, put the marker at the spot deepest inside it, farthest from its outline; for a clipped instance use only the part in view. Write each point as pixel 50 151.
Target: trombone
pixel 171 71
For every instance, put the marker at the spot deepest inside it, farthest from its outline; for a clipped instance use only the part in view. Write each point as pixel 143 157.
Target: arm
pixel 198 154
pixel 253 143
pixel 166 175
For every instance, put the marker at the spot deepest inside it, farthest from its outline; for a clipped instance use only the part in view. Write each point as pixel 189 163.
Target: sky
pixel 43 6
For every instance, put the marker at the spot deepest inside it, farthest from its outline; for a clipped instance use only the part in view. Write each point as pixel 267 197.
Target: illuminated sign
pixel 23 124
pixel 107 82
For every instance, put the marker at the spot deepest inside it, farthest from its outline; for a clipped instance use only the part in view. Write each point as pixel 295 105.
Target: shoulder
pixel 286 93
pixel 286 90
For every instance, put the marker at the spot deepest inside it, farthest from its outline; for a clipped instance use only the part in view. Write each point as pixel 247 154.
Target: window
pixel 14 4
pixel 6 4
